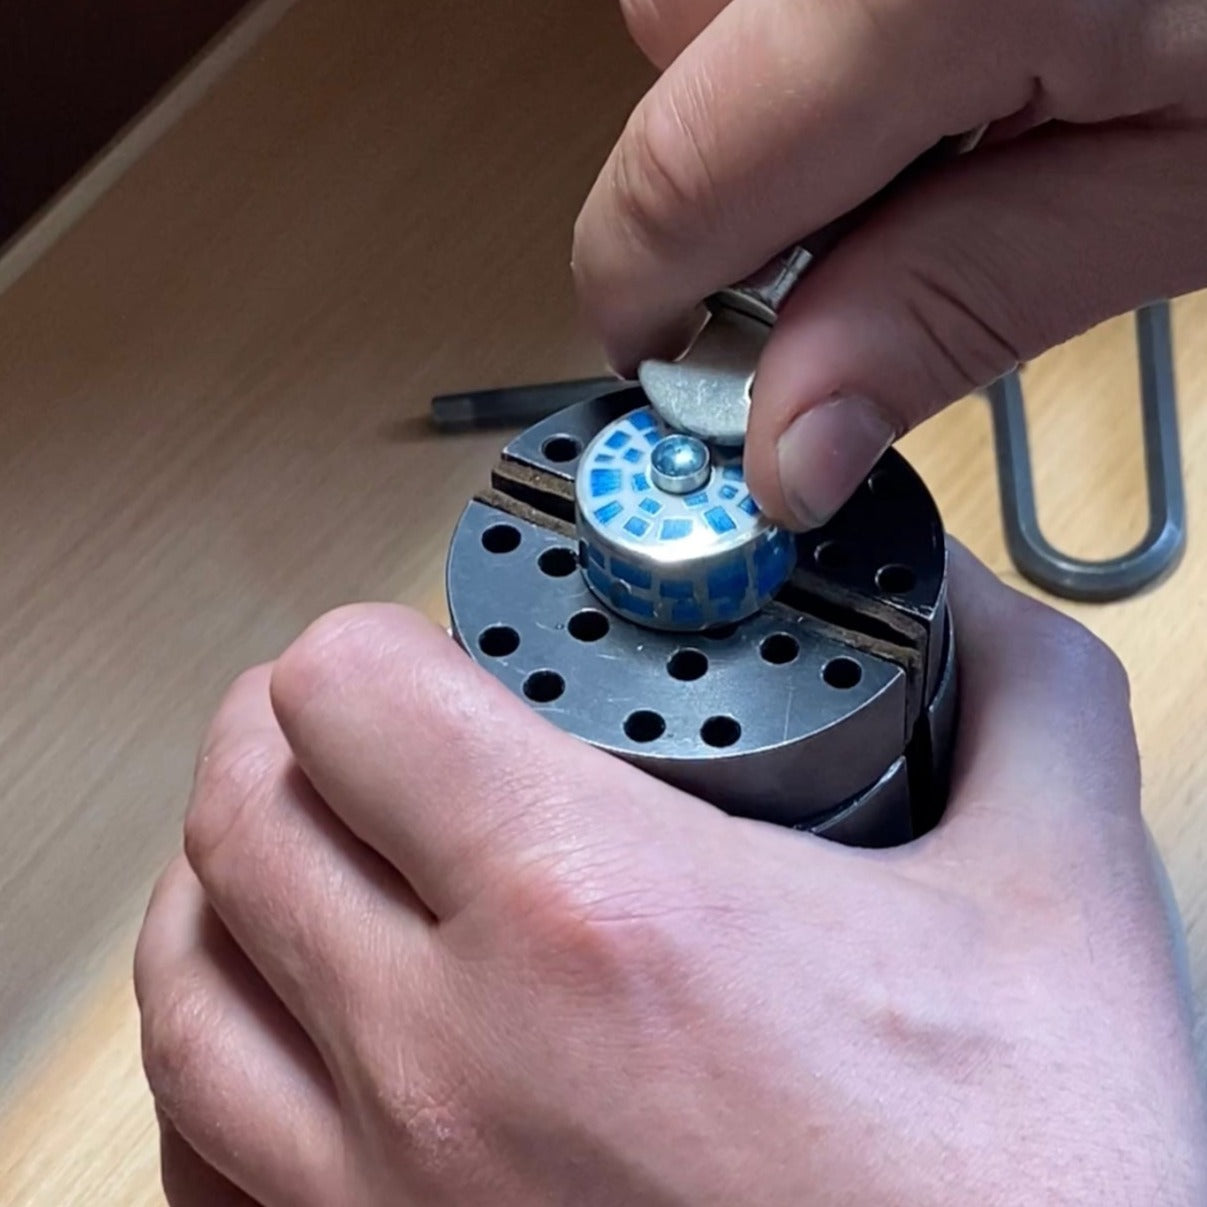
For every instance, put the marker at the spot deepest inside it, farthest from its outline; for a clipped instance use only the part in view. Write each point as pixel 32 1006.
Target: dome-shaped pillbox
pixel 669 534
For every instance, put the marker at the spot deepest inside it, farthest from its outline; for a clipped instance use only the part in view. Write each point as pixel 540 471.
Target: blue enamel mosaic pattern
pixel 680 562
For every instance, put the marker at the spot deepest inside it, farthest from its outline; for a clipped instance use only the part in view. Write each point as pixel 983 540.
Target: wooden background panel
pixel 83 1133
pixel 74 72
pixel 209 388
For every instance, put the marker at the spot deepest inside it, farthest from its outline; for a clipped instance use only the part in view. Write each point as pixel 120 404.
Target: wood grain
pixel 74 72
pixel 211 433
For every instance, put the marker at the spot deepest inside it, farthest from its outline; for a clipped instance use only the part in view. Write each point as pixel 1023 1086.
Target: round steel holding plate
pixel 832 708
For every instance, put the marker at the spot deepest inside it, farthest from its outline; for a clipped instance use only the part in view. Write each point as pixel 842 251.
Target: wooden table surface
pixel 211 390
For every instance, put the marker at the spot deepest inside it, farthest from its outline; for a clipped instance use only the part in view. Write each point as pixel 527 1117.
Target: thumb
pixel 1008 253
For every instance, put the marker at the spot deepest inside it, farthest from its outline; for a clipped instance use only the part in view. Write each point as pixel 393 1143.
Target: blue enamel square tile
pixel 719 520
pixel 640 483
pixel 635 576
pixel 650 506
pixel 617 439
pixel 729 491
pixel 699 499
pixel 642 420
pixel 638 606
pixel 675 530
pixel 770 577
pixel 749 506
pixel 608 512
pixel 731 473
pixel 605 482
pixel 772 564
pixel 687 613
pixel 729 582
pixel 637 526
pixel 633 455
pixel 677 589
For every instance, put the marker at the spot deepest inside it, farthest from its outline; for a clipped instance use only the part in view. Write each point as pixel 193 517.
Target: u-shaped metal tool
pixel 1162 545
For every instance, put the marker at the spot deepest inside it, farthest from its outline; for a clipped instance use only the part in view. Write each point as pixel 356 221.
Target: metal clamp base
pixel 831 709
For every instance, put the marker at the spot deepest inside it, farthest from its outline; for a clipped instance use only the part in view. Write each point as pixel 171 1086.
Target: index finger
pixel 438 767
pixel 663 28
pixel 781 116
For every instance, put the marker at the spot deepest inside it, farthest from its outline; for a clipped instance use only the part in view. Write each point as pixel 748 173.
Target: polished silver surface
pixel 707 392
pixel 680 464
pixel 668 559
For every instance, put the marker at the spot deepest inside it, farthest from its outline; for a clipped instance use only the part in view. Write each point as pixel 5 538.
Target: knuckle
pixel 579 946
pixel 347 641
pixel 646 22
pixel 661 179
pixel 594 923
pixel 1091 56
pixel 969 334
pixel 1082 654
pixel 146 967
pixel 436 1130
pixel 231 775
pixel 225 719
pixel 178 1039
pixel 324 644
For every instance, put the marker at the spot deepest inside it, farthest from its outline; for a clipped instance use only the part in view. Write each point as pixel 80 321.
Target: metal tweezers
pixel 1037 559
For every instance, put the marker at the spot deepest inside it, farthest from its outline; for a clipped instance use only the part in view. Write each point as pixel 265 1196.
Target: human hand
pixel 774 117
pixel 427 949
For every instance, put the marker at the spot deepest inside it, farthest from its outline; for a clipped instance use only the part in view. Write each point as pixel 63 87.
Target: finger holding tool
pixel 706 392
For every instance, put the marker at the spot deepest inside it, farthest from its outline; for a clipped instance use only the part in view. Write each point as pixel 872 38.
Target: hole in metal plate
pixel 842 673
pixel 501 538
pixel 543 687
pixel 687 665
pixel 720 732
pixel 780 649
pixel 498 641
pixel 645 725
pixel 558 562
pixel 895 580
pixel 560 449
pixel 831 555
pixel 589 625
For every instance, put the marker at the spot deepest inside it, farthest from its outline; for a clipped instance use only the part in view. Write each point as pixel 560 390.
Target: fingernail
pixel 827 453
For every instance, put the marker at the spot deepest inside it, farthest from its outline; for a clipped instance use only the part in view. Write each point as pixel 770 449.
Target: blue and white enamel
pixel 679 562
